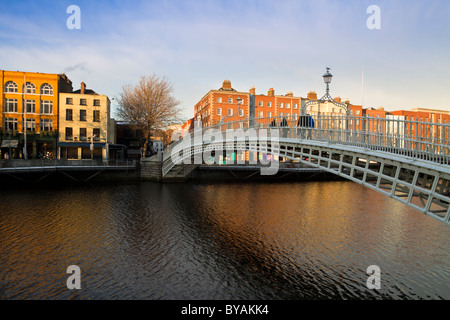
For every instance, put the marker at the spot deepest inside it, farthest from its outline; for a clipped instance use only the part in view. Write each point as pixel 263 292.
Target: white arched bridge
pixel 408 160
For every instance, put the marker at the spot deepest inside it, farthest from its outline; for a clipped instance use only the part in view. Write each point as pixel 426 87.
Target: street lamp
pixel 326 98
pixel 327 79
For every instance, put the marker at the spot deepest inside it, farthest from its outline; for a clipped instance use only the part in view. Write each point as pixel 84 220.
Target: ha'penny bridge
pixel 407 160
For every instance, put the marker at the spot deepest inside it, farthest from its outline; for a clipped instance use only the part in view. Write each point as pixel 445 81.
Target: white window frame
pixel 46 125
pixel 219 111
pixel 46 104
pixel 29 87
pixel 11 87
pixel 32 105
pixel 8 103
pixel 13 122
pixel 47 89
pixel 31 124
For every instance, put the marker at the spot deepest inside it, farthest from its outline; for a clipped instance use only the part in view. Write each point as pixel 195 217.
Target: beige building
pixel 86 130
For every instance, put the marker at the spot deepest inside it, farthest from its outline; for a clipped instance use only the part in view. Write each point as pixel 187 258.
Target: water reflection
pixel 310 240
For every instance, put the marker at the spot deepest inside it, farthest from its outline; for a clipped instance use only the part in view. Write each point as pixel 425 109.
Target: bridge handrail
pixel 424 138
pixel 33 163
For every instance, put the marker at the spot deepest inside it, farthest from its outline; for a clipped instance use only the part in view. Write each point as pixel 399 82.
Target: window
pixel 230 100
pixel 219 100
pixel 69 114
pixel 10 86
pixel 31 125
pixel 280 114
pixel 261 114
pixel 260 103
pixel 241 113
pixel 281 105
pixel 96 133
pixel 29 88
pixel 82 115
pixel 230 112
pixel 219 111
pixel 69 100
pixel 269 114
pixel 83 102
pixel 96 115
pixel 10 123
pixel 11 105
pixel 46 107
pixel 46 89
pixel 69 134
pixel 30 106
pixel 96 102
pixel 269 104
pixel 46 125
pixel 288 105
pixel 82 134
pixel 295 106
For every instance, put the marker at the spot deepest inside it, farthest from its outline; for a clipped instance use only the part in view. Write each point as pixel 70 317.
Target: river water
pixel 291 240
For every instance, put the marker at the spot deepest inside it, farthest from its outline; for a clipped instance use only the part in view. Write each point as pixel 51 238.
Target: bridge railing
pixel 32 163
pixel 418 139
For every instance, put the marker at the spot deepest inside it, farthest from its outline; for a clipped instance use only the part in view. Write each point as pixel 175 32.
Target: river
pixel 242 241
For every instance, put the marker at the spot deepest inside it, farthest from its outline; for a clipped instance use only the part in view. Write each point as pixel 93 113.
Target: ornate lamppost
pixel 326 98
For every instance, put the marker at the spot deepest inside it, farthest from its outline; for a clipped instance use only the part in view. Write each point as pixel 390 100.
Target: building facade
pixel 86 130
pixel 29 107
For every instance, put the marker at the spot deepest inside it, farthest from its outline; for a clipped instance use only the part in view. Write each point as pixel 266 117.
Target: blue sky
pixel 281 44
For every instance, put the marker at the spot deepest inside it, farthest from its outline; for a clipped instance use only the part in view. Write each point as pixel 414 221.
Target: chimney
pixel 289 94
pixel 83 88
pixel 253 90
pixel 338 99
pixel 312 95
pixel 226 85
pixel 271 92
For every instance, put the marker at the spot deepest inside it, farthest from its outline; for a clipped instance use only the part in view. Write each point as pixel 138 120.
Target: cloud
pixel 197 44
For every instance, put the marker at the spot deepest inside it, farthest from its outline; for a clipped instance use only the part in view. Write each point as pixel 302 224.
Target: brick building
pixel 39 93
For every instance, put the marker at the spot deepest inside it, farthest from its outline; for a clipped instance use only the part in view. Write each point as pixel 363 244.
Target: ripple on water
pixel 310 240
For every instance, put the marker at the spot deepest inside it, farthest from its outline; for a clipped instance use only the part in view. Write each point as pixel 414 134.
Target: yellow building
pixel 86 128
pixel 39 93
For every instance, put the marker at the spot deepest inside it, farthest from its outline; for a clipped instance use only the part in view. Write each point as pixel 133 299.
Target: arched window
pixel 10 86
pixel 30 88
pixel 47 89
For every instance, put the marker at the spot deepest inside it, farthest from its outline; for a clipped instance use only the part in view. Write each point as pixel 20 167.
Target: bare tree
pixel 148 106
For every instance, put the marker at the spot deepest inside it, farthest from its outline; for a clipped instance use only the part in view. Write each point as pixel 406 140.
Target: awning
pixel 7 144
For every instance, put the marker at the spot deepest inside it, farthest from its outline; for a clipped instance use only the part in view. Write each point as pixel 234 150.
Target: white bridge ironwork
pixel 407 160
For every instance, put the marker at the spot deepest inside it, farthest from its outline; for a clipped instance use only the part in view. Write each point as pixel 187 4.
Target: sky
pixel 196 44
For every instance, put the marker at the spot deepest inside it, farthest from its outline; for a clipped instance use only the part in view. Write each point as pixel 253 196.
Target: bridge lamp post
pixel 326 98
